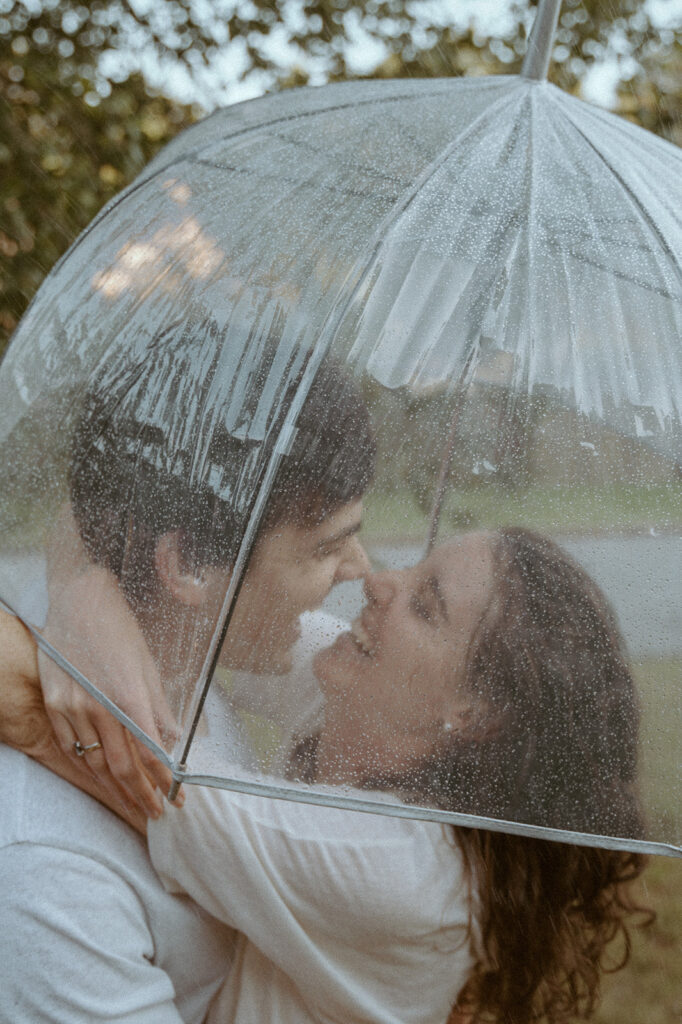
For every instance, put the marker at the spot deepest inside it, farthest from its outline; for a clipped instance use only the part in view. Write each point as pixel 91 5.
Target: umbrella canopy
pixel 471 281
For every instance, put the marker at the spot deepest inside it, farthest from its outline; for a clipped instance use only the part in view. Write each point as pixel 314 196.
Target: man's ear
pixel 189 587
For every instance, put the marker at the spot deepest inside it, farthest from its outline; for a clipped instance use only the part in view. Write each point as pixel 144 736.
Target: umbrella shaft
pixel 536 61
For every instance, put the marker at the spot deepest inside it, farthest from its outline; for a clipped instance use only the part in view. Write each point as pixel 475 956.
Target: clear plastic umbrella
pixel 460 300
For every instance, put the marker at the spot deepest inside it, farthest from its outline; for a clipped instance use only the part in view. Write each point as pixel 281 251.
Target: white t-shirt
pixel 87 932
pixel 345 917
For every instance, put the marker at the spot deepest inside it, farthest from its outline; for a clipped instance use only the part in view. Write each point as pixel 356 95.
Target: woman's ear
pixel 189 587
pixel 471 719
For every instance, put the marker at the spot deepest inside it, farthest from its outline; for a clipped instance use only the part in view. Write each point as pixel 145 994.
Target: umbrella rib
pixel 307 147
pixel 421 812
pixel 445 87
pixel 646 217
pixel 138 184
pixel 389 222
pixel 350 288
pixel 337 190
pixel 443 473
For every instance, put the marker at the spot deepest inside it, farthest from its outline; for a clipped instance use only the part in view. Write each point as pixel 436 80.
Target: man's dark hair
pixel 127 488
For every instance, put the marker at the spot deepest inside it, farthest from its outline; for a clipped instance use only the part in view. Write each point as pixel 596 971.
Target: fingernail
pixel 153 808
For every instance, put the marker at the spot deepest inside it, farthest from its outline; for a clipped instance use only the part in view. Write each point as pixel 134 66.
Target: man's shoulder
pixel 42 809
pixel 91 932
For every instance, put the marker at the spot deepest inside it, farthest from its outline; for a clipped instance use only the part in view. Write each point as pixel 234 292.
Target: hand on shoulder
pixel 23 720
pixel 24 723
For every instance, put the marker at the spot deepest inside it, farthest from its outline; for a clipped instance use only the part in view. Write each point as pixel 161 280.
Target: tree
pixel 86 91
pixel 61 158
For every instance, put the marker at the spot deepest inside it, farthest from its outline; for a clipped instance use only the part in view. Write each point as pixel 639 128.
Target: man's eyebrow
pixel 334 538
pixel 434 586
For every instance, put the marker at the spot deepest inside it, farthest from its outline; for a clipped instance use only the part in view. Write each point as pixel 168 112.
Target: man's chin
pixel 258 660
pixel 272 664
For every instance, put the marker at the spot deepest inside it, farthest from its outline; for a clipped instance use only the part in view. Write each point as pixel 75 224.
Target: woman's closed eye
pixel 427 602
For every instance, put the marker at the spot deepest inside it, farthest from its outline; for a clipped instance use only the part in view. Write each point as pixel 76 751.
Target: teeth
pixel 362 637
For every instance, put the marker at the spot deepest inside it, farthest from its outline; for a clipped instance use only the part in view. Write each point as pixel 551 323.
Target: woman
pixel 489 679
pixel 541 727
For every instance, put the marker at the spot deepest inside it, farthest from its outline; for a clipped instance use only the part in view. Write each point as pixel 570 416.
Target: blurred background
pixel 89 93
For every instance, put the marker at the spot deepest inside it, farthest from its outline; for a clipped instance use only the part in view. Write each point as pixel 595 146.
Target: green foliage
pixel 548 508
pixel 63 154
pixel 649 990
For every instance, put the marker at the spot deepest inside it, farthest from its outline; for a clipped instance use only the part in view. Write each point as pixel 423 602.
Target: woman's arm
pixel 23 722
pixel 90 623
pixel 309 887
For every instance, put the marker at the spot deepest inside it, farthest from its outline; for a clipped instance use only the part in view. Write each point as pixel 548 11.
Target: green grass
pixel 649 989
pixel 399 517
pixel 551 509
pixel 658 681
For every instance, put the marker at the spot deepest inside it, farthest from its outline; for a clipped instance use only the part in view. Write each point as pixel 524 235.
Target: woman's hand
pixel 24 723
pixel 90 623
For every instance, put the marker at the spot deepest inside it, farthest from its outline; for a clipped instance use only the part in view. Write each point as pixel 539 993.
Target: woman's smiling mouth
pixel 361 637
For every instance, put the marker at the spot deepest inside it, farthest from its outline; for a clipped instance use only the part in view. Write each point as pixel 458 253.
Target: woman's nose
pixel 380 587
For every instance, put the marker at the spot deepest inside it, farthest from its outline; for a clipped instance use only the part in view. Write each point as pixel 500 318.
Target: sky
pixel 220 84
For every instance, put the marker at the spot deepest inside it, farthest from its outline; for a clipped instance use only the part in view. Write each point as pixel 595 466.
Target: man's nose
pixel 355 562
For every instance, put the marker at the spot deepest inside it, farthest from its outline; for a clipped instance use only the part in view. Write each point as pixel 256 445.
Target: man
pixel 88 933
pixel 105 941
pixel 167 546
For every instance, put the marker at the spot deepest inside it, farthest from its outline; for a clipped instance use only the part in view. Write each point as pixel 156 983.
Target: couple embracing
pixel 489 679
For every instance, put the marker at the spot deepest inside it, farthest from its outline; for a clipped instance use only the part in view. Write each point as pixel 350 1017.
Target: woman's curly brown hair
pixel 549 663
pixel 549 917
